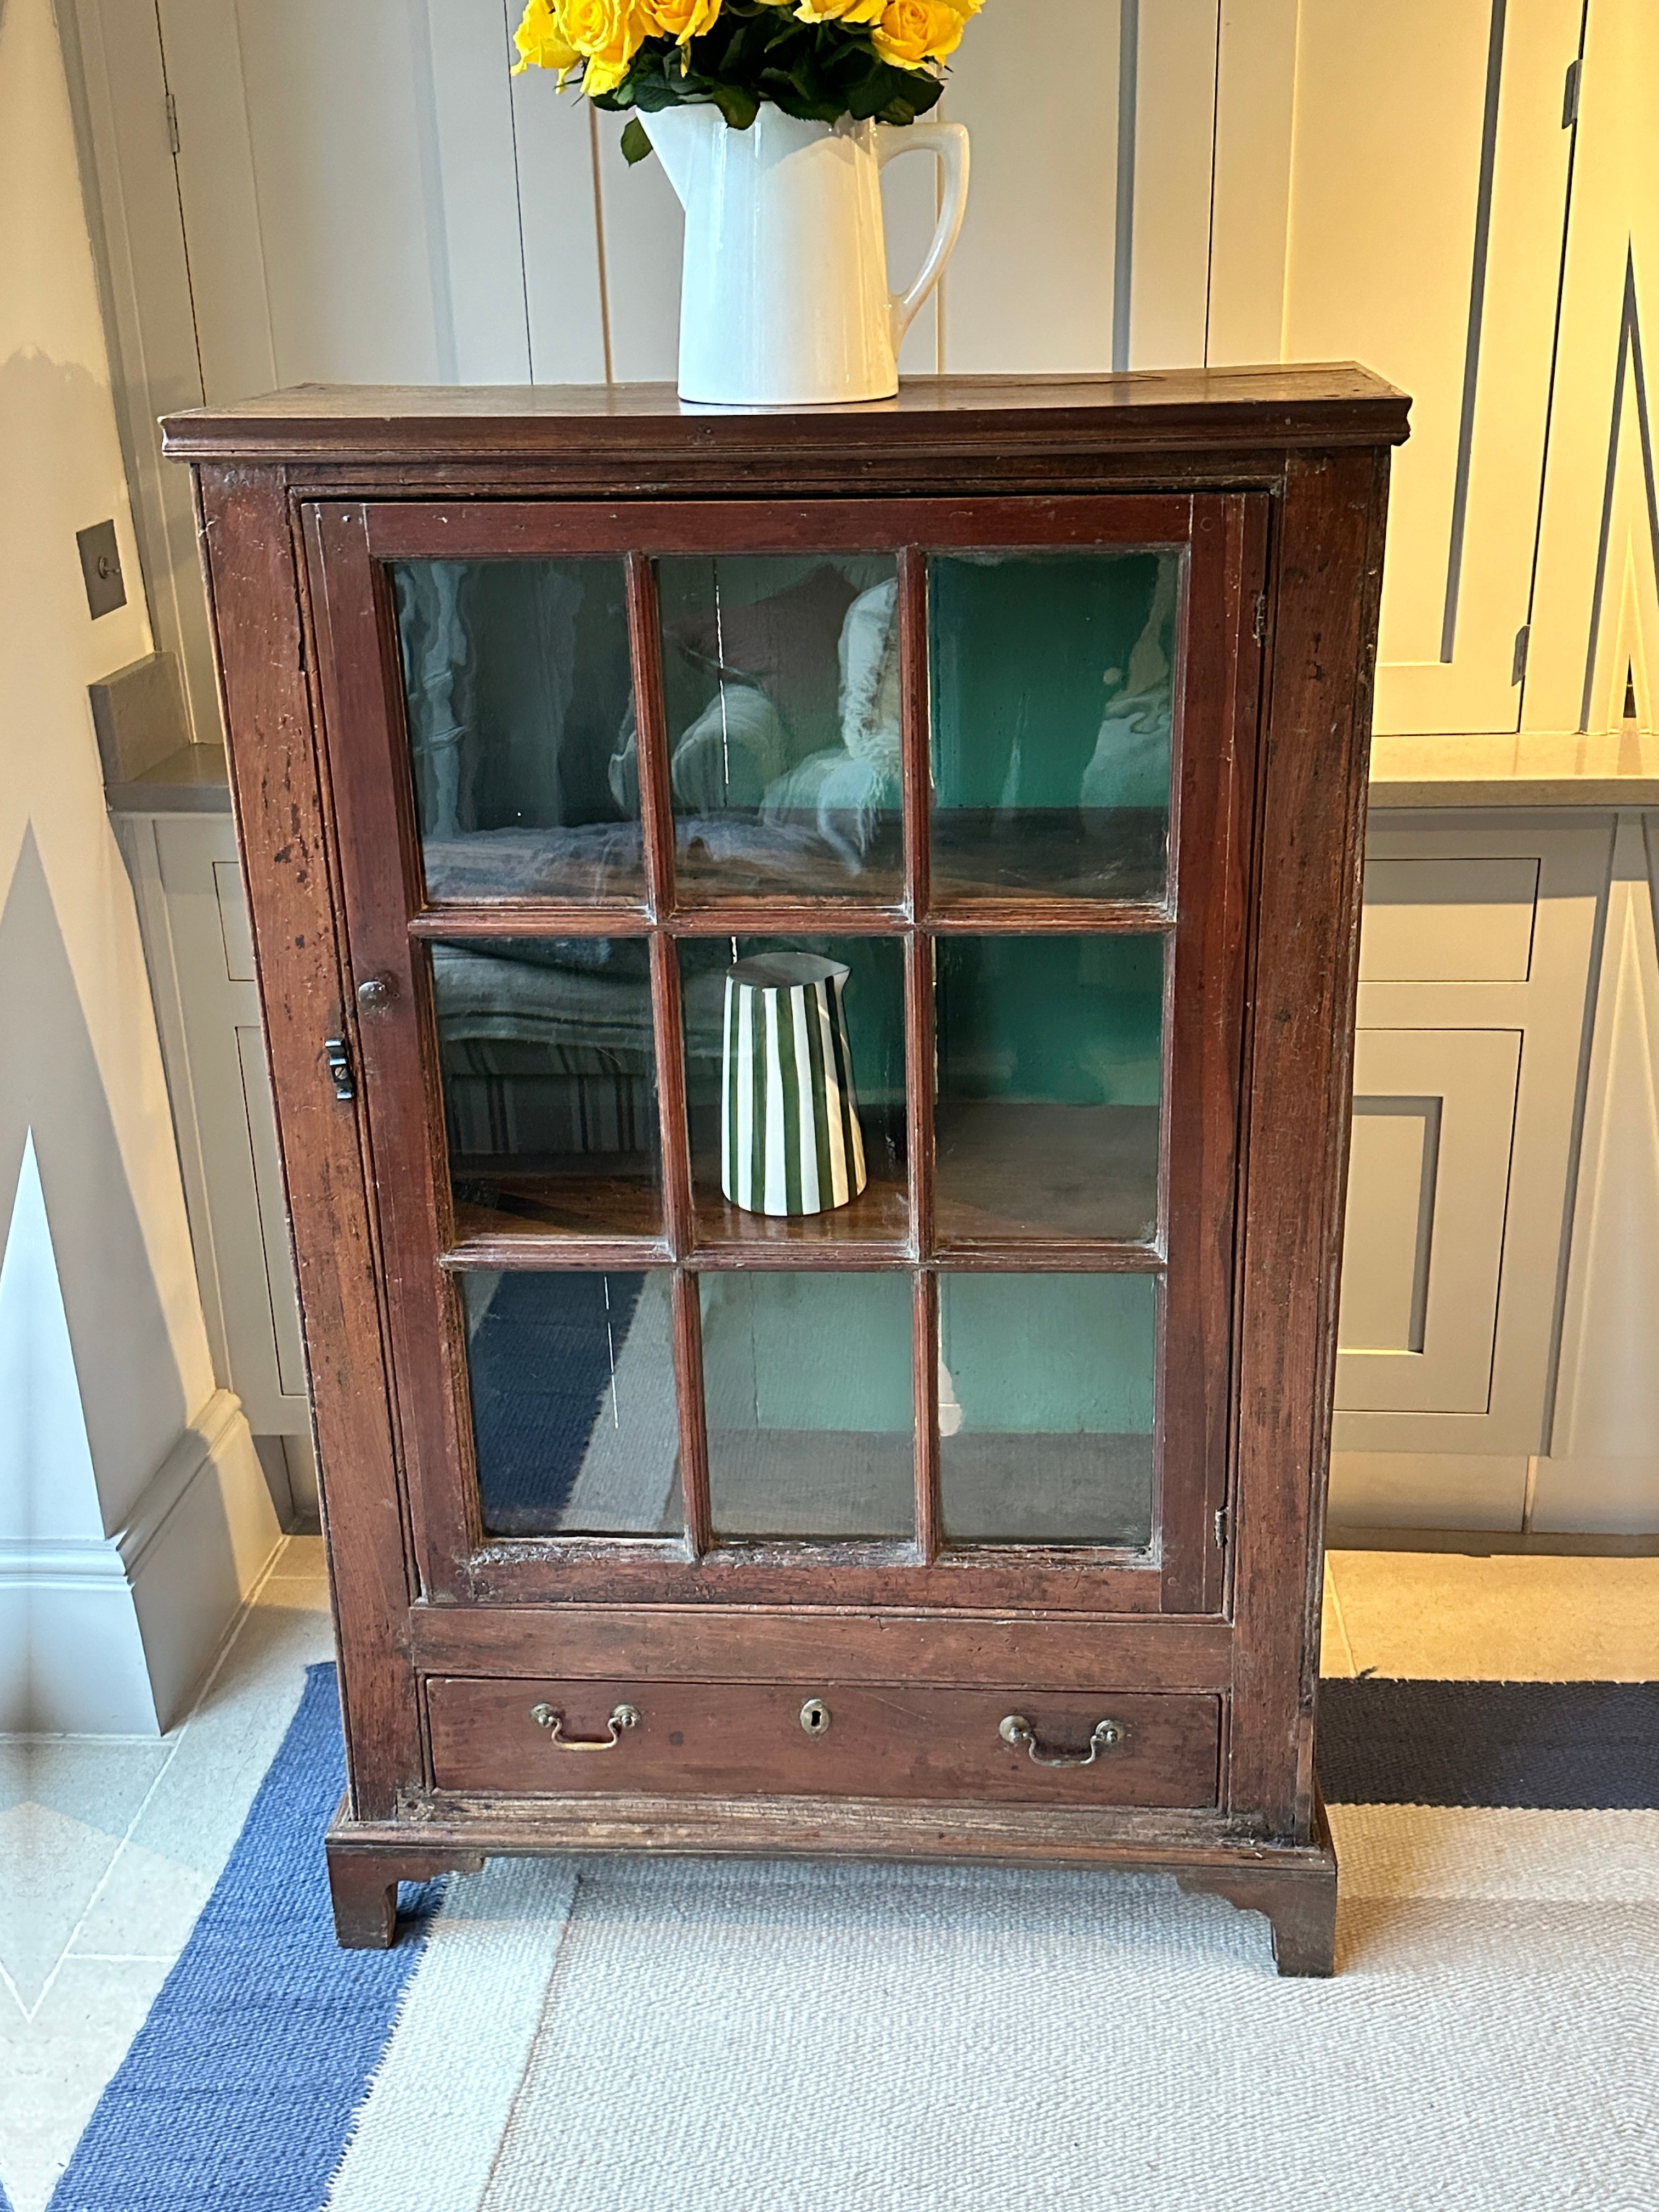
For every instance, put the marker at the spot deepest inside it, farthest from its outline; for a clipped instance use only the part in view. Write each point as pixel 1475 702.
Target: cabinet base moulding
pixel 1293 1886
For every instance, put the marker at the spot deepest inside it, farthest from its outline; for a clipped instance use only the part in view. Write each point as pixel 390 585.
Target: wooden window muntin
pixel 388 531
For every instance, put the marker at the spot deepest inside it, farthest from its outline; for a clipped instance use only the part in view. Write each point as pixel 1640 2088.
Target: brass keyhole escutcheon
pixel 815 1717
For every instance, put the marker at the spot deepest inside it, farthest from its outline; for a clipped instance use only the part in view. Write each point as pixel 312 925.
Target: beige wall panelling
pixel 640 227
pixel 555 153
pixel 1174 173
pixel 1255 102
pixel 471 175
pixel 219 198
pixel 1595 607
pixel 1428 1182
pixel 911 199
pixel 1602 1472
pixel 1391 202
pixel 336 114
pixel 118 89
pixel 1029 290
pixel 1448 1460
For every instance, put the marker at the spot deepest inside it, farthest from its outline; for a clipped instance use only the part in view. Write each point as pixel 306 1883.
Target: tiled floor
pixel 110 1848
pixel 121 1841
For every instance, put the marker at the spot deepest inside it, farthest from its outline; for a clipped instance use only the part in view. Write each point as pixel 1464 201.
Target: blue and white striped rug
pixel 621 2035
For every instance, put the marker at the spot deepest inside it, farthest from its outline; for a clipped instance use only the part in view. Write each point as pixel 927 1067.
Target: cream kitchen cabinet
pixel 188 884
pixel 1493 1029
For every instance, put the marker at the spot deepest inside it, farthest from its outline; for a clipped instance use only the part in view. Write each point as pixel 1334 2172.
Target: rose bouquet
pixel 818 60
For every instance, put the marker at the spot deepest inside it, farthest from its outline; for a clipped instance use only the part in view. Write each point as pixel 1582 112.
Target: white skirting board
pixel 1565 1494
pixel 108 1635
pixel 1595 1494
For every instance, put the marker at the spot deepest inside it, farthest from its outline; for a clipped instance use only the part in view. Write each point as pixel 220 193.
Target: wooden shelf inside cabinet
pixel 578 1205
pixel 1009 1171
pixel 1117 855
pixel 874 1226
pixel 1057 1384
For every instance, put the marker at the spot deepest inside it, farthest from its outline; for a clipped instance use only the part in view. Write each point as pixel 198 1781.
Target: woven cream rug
pixel 631 2036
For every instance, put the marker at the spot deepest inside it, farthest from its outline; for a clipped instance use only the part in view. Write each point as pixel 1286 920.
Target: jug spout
pixel 682 137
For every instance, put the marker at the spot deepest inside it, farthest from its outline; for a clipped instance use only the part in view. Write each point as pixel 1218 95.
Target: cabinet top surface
pixel 1338 404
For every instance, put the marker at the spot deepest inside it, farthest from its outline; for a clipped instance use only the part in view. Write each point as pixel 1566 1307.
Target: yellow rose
pixel 840 11
pixel 680 19
pixel 541 43
pixel 911 32
pixel 608 34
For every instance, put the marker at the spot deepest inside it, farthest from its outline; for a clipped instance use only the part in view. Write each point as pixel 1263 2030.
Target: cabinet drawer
pixel 735 1738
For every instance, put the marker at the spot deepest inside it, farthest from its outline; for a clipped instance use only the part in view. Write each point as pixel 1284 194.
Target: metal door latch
pixel 337 1055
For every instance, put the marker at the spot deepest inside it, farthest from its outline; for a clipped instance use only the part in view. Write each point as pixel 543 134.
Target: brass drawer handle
pixel 550 1718
pixel 1018 1729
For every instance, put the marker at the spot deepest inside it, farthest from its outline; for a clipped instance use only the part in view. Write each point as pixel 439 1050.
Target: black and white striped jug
pixel 789 1116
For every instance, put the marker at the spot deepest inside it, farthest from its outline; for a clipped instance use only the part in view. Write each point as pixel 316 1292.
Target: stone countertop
pixel 1619 770
pixel 194 780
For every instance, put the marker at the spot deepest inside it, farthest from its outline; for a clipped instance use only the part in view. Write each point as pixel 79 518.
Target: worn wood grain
pixel 751 1644
pixel 1284 409
pixel 1303 978
pixel 1274 483
pixel 886 1740
pixel 254 592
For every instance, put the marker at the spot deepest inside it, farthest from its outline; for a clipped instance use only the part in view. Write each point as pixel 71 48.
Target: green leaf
pixel 635 142
pixel 736 103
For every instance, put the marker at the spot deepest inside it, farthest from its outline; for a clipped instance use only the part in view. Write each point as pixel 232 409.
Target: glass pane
pixel 1047 1388
pixel 810 1412
pixel 806 1028
pixel 573 1411
pixel 1052 702
pixel 550 1083
pixel 781 678
pixel 1050 1053
pixel 521 698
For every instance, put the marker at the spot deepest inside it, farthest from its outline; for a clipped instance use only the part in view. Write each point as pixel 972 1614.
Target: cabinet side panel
pixel 1298 1078
pixel 254 585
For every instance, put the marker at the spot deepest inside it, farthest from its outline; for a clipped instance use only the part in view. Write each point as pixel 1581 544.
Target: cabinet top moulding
pixel 996 425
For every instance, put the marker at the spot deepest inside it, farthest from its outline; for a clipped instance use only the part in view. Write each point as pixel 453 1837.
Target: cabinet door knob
pixel 1018 1729
pixel 375 992
pixel 550 1718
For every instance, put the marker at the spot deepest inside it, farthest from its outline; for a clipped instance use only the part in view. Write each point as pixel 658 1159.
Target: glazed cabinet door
pixel 800 967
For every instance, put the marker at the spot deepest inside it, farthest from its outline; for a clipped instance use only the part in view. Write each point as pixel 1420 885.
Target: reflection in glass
pixel 1052 706
pixel 806 1379
pixel 574 1416
pixel 519 692
pixel 549 1070
pixel 1050 1053
pixel 872 1001
pixel 1047 1395
pixel 782 684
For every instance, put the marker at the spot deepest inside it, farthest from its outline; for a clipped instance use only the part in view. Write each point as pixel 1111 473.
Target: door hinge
pixel 1259 619
pixel 1569 95
pixel 172 125
pixel 1223 1522
pixel 1518 665
pixel 337 1054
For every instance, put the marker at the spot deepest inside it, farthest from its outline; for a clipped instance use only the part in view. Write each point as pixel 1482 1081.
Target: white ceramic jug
pixel 785 302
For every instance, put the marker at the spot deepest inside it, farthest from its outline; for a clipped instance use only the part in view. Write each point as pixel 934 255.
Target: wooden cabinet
pixel 940 823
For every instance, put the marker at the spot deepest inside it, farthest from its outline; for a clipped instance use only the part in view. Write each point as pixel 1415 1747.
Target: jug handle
pixel 949 141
